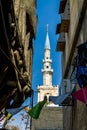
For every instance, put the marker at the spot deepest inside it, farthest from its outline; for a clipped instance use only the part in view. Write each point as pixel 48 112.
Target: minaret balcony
pixel 47 70
pixel 47 60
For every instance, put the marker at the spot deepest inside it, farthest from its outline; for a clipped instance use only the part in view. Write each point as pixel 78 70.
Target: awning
pixel 62 100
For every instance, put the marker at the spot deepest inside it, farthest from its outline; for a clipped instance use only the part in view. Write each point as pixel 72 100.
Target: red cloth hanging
pixel 81 95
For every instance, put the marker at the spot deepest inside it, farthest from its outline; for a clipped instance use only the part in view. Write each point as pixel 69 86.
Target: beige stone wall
pixel 75 117
pixel 79 116
pixel 25 10
pixel 67 118
pixel 28 56
pixel 75 10
pixel 79 108
pixel 83 33
pixel 50 118
pixel 44 90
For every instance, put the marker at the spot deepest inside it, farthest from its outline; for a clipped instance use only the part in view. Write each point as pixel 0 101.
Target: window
pixel 47 66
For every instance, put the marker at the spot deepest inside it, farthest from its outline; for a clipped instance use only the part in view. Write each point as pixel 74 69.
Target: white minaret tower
pixel 47 89
pixel 47 71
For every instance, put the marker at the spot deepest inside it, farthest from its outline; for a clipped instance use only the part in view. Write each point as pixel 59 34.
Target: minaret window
pixel 47 66
pixel 47 97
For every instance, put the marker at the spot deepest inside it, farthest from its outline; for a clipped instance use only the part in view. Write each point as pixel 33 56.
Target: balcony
pixel 62 6
pixel 65 19
pixel 61 43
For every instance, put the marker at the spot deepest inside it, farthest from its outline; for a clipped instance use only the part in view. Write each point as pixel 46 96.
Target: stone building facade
pixel 17 31
pixel 73 33
pixel 50 119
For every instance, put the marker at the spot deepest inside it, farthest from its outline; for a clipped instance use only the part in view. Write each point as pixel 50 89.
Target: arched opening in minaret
pixel 47 58
pixel 47 66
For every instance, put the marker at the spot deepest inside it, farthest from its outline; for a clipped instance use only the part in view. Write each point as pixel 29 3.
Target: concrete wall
pixel 50 118
pixel 75 10
pixel 75 117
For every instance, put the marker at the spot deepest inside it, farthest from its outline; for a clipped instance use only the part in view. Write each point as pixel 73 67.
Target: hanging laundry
pixel 60 99
pixel 35 111
pixel 82 54
pixel 82 75
pixel 81 95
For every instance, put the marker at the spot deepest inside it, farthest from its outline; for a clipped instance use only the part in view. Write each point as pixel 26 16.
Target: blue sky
pixel 47 12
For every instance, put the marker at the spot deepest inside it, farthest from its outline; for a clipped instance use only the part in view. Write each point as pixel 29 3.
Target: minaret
pixel 47 71
pixel 47 89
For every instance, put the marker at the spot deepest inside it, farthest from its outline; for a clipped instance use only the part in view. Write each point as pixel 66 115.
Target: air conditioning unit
pixel 66 86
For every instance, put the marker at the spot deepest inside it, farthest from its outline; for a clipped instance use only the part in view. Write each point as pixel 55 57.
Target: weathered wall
pixel 67 118
pixel 75 10
pixel 80 109
pixel 50 118
pixel 26 22
pixel 17 31
pixel 75 118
